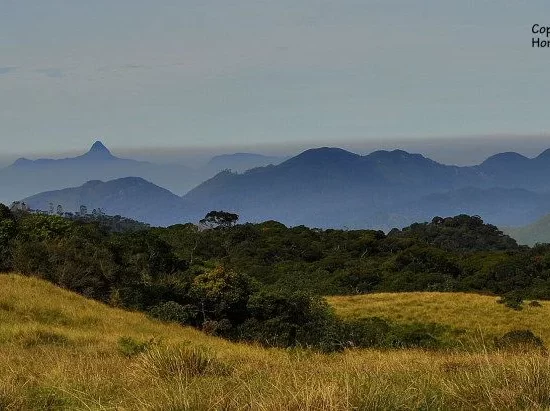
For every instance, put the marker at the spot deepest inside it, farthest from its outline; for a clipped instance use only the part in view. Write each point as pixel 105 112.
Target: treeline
pixel 449 254
pixel 263 282
pixel 116 223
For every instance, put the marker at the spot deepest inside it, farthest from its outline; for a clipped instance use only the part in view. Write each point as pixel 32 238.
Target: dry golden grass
pixel 480 315
pixel 61 351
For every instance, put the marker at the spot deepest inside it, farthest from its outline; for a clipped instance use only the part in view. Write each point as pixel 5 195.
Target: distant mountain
pixel 537 232
pixel 131 197
pixel 239 162
pixel 27 177
pixel 512 170
pixel 498 206
pixel 330 187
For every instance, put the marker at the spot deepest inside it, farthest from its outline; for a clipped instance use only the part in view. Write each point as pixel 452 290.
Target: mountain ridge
pixel 332 187
pixel 26 177
pixel 329 187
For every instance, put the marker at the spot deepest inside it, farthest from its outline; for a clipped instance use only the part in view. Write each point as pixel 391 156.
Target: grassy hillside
pixel 479 315
pixel 61 351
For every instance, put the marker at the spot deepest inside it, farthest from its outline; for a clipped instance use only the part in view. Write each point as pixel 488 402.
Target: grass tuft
pixel 182 363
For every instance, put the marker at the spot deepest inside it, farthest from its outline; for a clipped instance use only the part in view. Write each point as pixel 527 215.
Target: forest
pixel 266 282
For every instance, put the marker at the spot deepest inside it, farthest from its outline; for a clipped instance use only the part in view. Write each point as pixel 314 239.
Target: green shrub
pixel 222 294
pixel 286 319
pixel 377 332
pixel 364 333
pixel 415 336
pixel 520 340
pixel 513 300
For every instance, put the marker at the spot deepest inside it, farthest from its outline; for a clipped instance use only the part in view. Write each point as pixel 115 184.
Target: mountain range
pixel 27 177
pixel 331 187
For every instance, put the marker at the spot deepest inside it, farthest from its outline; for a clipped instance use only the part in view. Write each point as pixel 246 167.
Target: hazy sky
pixel 205 73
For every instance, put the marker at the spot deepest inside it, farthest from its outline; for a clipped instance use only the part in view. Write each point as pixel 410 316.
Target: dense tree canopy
pixel 263 282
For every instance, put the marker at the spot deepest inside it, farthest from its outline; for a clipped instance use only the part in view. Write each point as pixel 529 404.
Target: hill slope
pixel 240 162
pixel 479 315
pixel 537 232
pixel 131 197
pixel 66 352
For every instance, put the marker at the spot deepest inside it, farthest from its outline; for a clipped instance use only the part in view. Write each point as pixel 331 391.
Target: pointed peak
pixel 98 150
pixel 99 147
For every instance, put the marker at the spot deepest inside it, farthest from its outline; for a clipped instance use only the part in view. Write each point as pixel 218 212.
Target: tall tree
pixel 219 219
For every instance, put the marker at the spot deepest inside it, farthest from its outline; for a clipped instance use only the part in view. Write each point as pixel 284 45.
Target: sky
pixel 181 76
